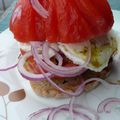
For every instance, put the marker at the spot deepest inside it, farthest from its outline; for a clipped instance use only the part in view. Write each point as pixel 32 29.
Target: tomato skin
pixel 31 66
pixel 70 25
pixel 98 14
pixel 30 26
pixel 68 22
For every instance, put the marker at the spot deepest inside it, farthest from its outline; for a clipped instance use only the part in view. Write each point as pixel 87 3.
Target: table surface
pixel 4 19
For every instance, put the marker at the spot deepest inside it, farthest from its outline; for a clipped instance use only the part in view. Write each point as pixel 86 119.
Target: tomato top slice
pixel 68 22
pixel 78 20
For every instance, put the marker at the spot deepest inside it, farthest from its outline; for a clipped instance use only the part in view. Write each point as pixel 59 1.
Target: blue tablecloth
pixel 4 21
pixel 5 18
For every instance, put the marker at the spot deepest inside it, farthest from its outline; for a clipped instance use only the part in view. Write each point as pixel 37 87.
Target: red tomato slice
pixel 31 66
pixel 68 22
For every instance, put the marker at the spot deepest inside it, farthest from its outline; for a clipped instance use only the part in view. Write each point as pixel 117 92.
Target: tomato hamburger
pixel 63 44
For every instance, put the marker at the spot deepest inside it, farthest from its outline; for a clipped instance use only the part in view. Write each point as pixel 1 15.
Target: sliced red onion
pixel 28 75
pixel 40 62
pixel 57 55
pixel 71 103
pixel 83 115
pixel 17 13
pixel 9 68
pixel 80 88
pixel 78 92
pixel 107 104
pixel 54 110
pixel 58 70
pixel 59 88
pixel 36 44
pixel 71 107
pixel 47 75
pixel 46 59
pixel 39 8
pixel 39 112
pixel 60 59
pixel 68 107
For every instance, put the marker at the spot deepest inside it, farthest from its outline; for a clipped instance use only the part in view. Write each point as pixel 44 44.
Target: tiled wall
pixel 7 3
pixel 115 4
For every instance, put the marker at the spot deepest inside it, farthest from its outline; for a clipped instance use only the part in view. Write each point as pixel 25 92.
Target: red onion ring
pixel 45 56
pixel 71 103
pixel 80 113
pixel 58 70
pixel 44 65
pixel 55 110
pixel 39 112
pixel 39 8
pixel 8 68
pixel 38 45
pixel 73 98
pixel 69 107
pixel 17 13
pixel 107 104
pixel 80 88
pixel 28 75
pixel 60 59
pixel 55 85
pixel 68 93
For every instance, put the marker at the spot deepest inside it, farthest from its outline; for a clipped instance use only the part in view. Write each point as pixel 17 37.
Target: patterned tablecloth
pixel 18 101
pixel 4 20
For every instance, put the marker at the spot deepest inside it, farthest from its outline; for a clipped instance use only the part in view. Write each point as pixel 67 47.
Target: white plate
pixel 21 109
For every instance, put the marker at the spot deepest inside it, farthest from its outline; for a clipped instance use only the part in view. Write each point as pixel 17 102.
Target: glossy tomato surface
pixel 68 22
pixel 26 24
